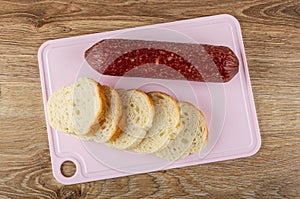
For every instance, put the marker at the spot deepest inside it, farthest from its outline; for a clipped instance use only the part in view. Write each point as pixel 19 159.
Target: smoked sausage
pixel 164 60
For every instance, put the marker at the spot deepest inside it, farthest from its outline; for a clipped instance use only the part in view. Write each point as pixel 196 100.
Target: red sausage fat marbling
pixel 164 60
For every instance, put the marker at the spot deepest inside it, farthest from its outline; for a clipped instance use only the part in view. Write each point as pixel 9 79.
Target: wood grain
pixel 271 32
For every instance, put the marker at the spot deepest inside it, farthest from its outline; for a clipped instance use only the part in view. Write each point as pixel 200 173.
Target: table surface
pixel 271 32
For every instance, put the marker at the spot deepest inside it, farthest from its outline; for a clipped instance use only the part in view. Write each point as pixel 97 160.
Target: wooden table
pixel 271 32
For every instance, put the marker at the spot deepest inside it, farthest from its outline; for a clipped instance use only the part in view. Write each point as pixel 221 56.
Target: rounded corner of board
pixel 256 147
pixel 43 47
pixel 232 19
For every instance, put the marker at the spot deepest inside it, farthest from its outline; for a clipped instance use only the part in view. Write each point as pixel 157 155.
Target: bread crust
pixel 102 100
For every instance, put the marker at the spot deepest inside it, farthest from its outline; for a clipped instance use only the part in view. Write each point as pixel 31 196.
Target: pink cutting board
pixel 229 108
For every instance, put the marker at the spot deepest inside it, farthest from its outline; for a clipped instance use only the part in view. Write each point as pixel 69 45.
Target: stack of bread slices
pixel 151 122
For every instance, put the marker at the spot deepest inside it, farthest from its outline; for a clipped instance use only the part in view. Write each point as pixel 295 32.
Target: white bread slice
pixel 68 107
pixel 60 110
pixel 88 106
pixel 193 124
pixel 165 123
pixel 138 113
pixel 201 138
pixel 112 114
pixel 139 107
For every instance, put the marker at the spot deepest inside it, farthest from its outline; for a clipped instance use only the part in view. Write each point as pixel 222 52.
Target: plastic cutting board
pixel 229 108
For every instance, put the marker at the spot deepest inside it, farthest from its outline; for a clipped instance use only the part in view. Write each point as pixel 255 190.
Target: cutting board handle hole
pixel 68 168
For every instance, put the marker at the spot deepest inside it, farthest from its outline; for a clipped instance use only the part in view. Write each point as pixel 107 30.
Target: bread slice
pixel 201 137
pixel 88 106
pixel 108 127
pixel 60 110
pixel 77 109
pixel 165 123
pixel 139 108
pixel 193 125
pixel 138 113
